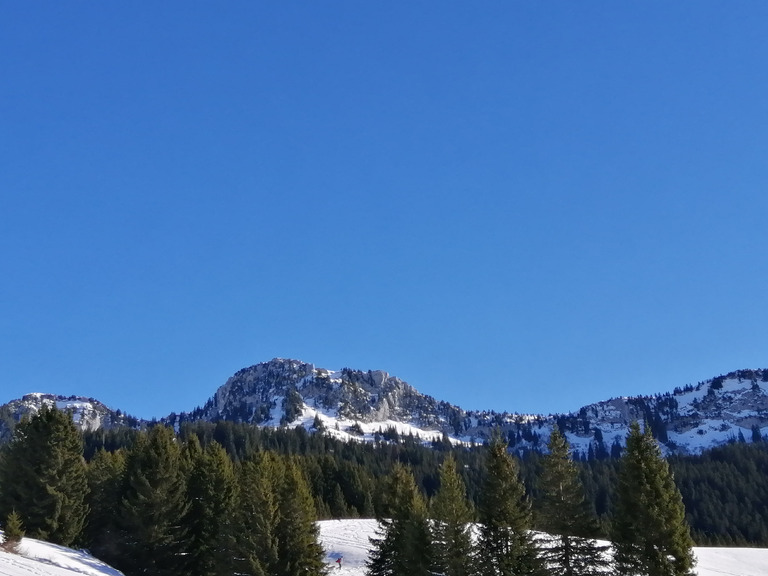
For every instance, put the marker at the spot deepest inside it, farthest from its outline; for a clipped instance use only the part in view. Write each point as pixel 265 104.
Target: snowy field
pixel 349 538
pixel 340 538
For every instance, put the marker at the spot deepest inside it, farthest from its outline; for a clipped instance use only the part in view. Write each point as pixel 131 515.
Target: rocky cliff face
pixel 87 413
pixel 352 404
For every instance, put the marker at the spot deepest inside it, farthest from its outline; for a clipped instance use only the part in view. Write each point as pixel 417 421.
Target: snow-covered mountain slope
pixel 352 404
pixel 349 539
pixel 36 558
pixel 368 405
pixel 88 413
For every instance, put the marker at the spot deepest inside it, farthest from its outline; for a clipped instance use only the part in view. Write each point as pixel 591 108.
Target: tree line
pixel 212 500
pixel 162 507
pixel 649 533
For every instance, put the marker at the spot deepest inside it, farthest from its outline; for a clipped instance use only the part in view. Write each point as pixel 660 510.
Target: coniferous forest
pixel 224 498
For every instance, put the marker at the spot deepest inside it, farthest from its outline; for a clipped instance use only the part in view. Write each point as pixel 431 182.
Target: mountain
pixel 88 413
pixel 373 405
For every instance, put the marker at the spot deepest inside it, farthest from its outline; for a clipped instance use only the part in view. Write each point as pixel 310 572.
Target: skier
pixel 338 561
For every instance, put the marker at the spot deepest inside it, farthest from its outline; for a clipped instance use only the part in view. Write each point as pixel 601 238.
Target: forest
pixel 151 497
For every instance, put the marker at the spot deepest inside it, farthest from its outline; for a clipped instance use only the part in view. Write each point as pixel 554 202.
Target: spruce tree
pixel 451 516
pixel 649 532
pixel 298 549
pixel 105 482
pixel 566 515
pixel 256 516
pixel 153 507
pixel 403 546
pixel 13 532
pixel 505 545
pixel 211 492
pixel 42 477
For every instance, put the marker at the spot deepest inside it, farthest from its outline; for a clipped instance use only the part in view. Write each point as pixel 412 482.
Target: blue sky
pixel 522 206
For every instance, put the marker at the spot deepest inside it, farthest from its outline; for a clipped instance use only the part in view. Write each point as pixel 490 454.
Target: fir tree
pixel 404 542
pixel 153 507
pixel 13 532
pixel 565 514
pixel 42 477
pixel 256 518
pixel 105 482
pixel 298 550
pixel 649 532
pixel 505 545
pixel 451 516
pixel 211 492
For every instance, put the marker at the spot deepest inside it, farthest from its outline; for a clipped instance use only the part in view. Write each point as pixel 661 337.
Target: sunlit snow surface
pixel 348 539
pixel 37 558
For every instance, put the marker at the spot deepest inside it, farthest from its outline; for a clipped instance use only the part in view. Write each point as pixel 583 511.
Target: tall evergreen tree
pixel 105 482
pixel 256 516
pixel 505 545
pixel 403 547
pixel 649 532
pixel 42 477
pixel 153 507
pixel 451 516
pixel 298 549
pixel 211 492
pixel 566 515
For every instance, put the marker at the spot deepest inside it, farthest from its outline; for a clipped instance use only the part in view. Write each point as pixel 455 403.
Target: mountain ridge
pixel 374 405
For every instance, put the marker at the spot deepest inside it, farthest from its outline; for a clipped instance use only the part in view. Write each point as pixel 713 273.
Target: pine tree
pixel 13 532
pixel 298 550
pixel 505 545
pixel 565 514
pixel 649 532
pixel 105 482
pixel 256 518
pixel 403 547
pixel 211 492
pixel 451 516
pixel 153 506
pixel 42 477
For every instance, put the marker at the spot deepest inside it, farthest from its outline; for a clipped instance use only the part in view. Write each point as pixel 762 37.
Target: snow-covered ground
pixel 347 539
pixel 37 558
pixel 350 539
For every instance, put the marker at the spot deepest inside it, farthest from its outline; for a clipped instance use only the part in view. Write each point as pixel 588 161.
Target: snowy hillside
pixel 350 539
pixel 36 558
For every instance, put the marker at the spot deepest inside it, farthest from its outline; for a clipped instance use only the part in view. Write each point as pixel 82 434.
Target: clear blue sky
pixel 522 206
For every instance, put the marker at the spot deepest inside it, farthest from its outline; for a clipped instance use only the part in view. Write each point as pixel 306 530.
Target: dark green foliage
pixel 725 491
pixel 649 532
pixel 403 546
pixel 105 481
pixel 451 516
pixel 42 477
pixel 13 532
pixel 153 506
pixel 211 497
pixel 565 514
pixel 256 516
pixel 298 551
pixel 505 545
